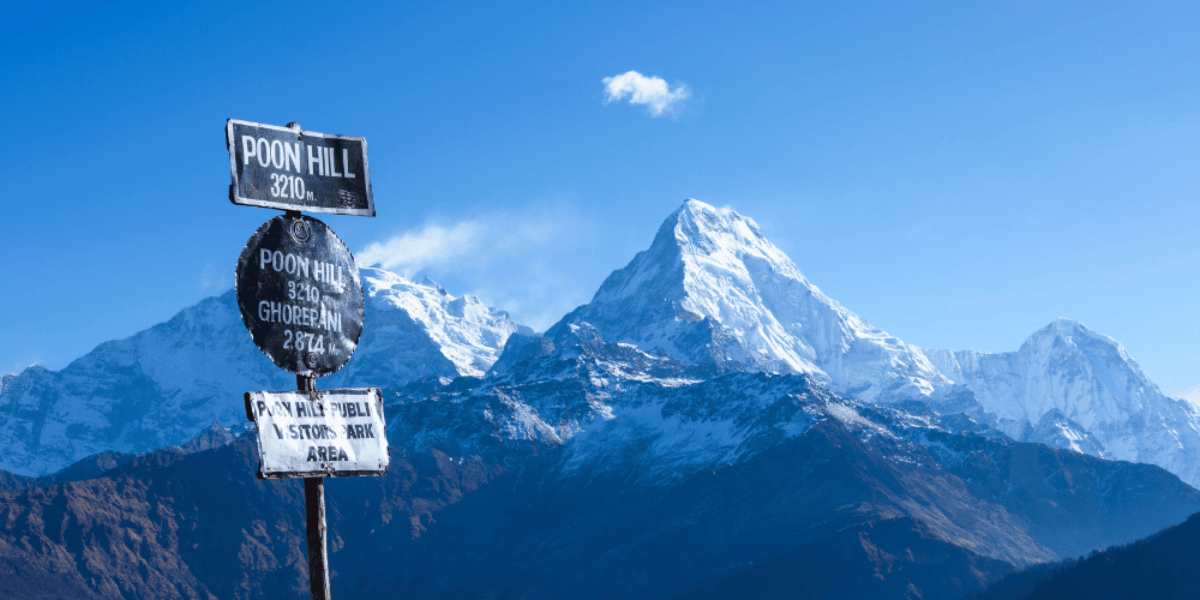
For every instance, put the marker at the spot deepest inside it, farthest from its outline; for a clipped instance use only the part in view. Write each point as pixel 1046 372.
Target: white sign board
pixel 332 433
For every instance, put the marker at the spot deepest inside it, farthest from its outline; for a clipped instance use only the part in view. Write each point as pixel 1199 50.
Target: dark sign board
pixel 300 295
pixel 335 433
pixel 290 169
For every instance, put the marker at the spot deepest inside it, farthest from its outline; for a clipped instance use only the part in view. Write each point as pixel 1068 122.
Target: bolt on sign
pixel 335 432
pixel 300 295
pixel 290 169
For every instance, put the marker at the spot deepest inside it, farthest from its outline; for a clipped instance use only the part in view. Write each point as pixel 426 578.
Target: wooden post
pixel 314 509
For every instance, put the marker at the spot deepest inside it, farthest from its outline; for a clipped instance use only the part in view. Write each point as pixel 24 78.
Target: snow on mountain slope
pixel 610 407
pixel 1071 387
pixel 711 289
pixel 416 330
pixel 598 412
pixel 164 385
pixel 157 388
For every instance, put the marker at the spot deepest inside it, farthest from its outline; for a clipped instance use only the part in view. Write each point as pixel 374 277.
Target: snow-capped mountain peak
pixel 1083 374
pixel 1063 334
pixel 712 289
pixel 1072 387
pixel 469 333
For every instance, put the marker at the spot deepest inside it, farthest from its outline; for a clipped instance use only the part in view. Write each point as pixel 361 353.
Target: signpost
pixel 290 169
pixel 300 296
pixel 319 434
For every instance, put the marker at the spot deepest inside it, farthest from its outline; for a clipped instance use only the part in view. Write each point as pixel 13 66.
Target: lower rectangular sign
pixel 334 433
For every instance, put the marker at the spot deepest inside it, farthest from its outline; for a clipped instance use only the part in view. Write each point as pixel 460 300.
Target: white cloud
pixel 653 92
pixel 474 244
pixel 433 245
pixel 525 261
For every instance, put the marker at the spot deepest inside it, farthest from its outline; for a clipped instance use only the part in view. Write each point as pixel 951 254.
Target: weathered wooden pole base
pixel 318 557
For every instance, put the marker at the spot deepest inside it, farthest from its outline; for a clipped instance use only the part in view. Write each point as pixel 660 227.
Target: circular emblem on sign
pixel 300 231
pixel 300 295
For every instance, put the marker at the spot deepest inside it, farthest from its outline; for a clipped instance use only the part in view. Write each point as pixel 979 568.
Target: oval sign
pixel 300 295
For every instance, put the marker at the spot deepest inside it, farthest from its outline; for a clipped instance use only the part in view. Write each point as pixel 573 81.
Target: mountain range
pixel 164 385
pixel 710 421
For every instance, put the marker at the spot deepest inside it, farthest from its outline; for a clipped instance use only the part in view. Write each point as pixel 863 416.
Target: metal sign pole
pixel 314 509
pixel 301 298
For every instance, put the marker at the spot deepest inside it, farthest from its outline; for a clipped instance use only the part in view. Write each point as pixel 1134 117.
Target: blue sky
pixel 959 174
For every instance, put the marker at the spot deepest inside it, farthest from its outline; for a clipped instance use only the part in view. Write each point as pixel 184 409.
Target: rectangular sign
pixel 333 433
pixel 290 169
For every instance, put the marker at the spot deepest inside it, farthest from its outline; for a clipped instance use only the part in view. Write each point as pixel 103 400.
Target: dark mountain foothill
pixel 880 559
pixel 98 464
pixel 88 468
pixel 172 525
pixel 1070 502
pixel 1162 566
